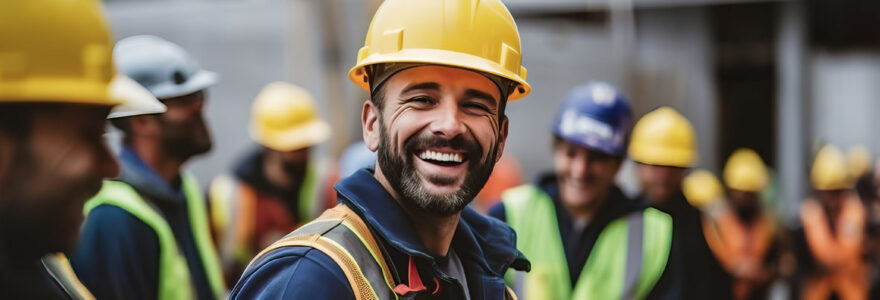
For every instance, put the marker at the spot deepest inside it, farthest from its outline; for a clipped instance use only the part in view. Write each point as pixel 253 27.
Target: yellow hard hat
pixel 745 171
pixel 55 51
pixel 859 159
pixel 471 34
pixel 701 187
pixel 830 171
pixel 284 118
pixel 137 100
pixel 664 137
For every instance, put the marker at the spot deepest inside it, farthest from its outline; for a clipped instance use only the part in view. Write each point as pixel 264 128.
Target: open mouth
pixel 441 158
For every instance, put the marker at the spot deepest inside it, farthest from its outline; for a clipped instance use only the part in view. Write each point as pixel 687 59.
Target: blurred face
pixel 660 183
pixel 438 135
pixel 745 203
pixel 184 132
pixel 832 200
pixel 293 162
pixel 585 176
pixel 46 177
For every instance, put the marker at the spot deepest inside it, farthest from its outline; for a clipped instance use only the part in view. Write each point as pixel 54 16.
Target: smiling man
pixel 440 73
pixel 55 94
pixel 575 224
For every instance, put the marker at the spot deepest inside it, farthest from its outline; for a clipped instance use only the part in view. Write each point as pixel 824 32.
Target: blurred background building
pixel 780 77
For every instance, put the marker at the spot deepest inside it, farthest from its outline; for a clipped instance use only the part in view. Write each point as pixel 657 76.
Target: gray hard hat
pixel 162 67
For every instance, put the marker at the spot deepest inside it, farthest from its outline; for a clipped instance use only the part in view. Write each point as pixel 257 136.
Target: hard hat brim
pixel 202 80
pixel 137 100
pixel 358 75
pixel 300 137
pixel 662 156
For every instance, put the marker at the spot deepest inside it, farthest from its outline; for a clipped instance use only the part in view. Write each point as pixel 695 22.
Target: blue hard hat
pixel 595 116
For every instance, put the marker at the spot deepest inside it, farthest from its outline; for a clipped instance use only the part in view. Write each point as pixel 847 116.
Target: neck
pixel 435 232
pixel 166 166
pixel 584 212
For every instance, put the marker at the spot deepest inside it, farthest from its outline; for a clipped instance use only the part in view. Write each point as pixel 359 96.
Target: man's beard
pixel 33 220
pixel 399 169
pixel 185 139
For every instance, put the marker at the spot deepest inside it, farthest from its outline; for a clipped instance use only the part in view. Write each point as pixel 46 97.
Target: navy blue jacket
pixel 486 248
pixel 118 254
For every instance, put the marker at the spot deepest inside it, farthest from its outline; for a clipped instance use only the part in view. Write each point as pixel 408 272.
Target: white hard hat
pixel 164 68
pixel 136 100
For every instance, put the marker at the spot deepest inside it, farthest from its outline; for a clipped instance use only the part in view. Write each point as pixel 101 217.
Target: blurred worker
pixel 147 235
pixel 272 190
pixel 506 175
pixel 664 146
pixel 740 232
pixel 702 189
pixel 55 77
pixel 579 230
pixel 830 243
pixel 436 119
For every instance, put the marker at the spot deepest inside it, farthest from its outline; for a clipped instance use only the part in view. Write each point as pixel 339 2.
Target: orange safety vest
pixel 740 247
pixel 839 252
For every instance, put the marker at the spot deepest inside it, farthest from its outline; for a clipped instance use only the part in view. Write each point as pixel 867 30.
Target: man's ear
pixel 370 125
pixel 502 139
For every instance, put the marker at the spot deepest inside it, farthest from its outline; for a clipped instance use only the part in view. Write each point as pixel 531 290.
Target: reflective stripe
pixel 634 239
pixel 59 268
pixel 341 234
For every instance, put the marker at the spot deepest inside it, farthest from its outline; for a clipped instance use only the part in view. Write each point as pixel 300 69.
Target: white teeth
pixel 437 156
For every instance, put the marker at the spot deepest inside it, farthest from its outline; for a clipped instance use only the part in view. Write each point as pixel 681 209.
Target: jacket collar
pixel 477 238
pixel 135 172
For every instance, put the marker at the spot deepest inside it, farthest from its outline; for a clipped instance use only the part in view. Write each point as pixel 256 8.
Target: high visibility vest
pixel 234 213
pixel 840 251
pixel 343 236
pixel 738 245
pixel 626 262
pixel 174 277
pixel 59 268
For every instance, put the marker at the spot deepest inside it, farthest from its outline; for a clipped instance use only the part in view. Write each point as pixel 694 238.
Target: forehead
pixel 447 78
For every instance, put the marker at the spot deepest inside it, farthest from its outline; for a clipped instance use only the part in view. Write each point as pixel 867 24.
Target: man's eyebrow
pixel 421 86
pixel 472 93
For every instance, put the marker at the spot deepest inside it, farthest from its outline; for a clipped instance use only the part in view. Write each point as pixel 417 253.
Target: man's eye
pixel 477 106
pixel 421 99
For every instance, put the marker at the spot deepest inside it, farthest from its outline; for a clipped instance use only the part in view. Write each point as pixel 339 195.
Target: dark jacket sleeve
pixel 293 273
pixel 497 211
pixel 117 257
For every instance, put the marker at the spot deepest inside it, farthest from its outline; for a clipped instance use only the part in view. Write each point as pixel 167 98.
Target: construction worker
pixel 663 146
pixel 830 244
pixel 440 73
pixel 702 189
pixel 146 234
pixel 575 224
pixel 273 190
pixel 55 77
pixel 742 234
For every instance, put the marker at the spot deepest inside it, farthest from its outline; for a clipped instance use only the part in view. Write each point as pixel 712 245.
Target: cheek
pixel 485 134
pixel 406 125
pixel 562 163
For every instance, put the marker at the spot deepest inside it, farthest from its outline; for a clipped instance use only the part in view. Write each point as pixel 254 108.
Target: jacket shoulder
pixel 294 273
